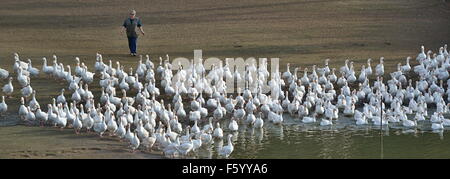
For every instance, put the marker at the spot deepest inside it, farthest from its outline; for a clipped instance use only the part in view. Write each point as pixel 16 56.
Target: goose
pixel 197 143
pixel 194 115
pixel 325 70
pixel 209 127
pixel 445 122
pixel 121 131
pixel 23 79
pixel 139 86
pixel 99 65
pixel 286 101
pixel 143 133
pixel 251 119
pixel 61 120
pixel 41 116
pixel 305 79
pixel 363 75
pixel 421 56
pixel 45 68
pixel 27 91
pixel 33 71
pixel 129 135
pixel 76 97
pixel 445 51
pixel 437 126
pixel 8 88
pixel 61 99
pixel 185 147
pixel 278 119
pixel 52 117
pixel 259 122
pixel 30 115
pixel 326 122
pixel 124 85
pixel 219 112
pixel 149 141
pixel 170 149
pixel 134 142
pixel 377 120
pixel 379 69
pixel 406 68
pixel 361 119
pixel 409 123
pixel 3 106
pixel 112 126
pixel 87 76
pixel 332 77
pixel 88 121
pixel 78 68
pixel 233 126
pixel 368 70
pixel 240 112
pixel 77 125
pixel 18 64
pixel 195 129
pixel 419 117
pixel 203 112
pixel 206 137
pixel 218 132
pixel 87 93
pixel 23 111
pixel 351 78
pixel 33 102
pixel 307 119
pixel 341 80
pixel 319 109
pixel 4 73
pixel 349 109
pixel 345 69
pixel 228 149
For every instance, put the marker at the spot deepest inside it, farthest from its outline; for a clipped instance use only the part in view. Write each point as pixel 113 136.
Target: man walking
pixel 130 25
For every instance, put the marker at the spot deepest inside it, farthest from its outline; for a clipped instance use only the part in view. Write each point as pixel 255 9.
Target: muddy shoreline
pixel 21 141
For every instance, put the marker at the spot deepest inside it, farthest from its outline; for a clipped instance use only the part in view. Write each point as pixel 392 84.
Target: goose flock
pixel 180 111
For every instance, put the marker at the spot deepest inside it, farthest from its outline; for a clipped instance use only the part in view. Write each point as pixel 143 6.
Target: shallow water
pixel 342 140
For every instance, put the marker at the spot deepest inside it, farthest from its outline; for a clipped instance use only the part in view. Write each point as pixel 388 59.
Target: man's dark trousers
pixel 132 43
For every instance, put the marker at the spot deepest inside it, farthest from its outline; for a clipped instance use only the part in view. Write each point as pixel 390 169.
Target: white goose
pixel 4 73
pixel 33 103
pixel 379 69
pixel 218 132
pixel 33 71
pixel 3 106
pixel 228 149
pixel 326 122
pixel 233 126
pixel 134 142
pixel 47 69
pixel 23 111
pixel 27 91
pixel 8 88
pixel 41 116
pixel 61 99
pixel 307 119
